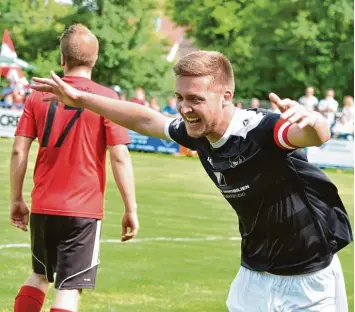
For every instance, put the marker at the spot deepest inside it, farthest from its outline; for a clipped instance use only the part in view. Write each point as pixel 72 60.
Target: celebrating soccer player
pixel 291 218
pixel 69 182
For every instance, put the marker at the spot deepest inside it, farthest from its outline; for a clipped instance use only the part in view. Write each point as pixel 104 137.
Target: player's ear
pixel 227 98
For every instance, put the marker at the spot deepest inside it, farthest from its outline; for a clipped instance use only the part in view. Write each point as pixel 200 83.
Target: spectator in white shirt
pixel 348 109
pixel 344 126
pixel 255 103
pixel 309 101
pixel 328 106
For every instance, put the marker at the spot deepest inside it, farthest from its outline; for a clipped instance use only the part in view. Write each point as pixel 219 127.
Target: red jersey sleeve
pixel 115 134
pixel 27 125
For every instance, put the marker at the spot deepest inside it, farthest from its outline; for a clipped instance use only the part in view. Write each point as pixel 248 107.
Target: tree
pixel 34 28
pixel 279 46
pixel 132 53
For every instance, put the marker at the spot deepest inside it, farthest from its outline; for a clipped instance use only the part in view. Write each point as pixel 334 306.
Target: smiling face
pixel 204 91
pixel 200 103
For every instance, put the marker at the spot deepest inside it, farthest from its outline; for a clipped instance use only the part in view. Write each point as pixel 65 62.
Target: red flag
pixel 12 73
pixel 7 47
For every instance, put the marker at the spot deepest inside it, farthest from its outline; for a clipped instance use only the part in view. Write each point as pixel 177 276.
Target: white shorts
pixel 321 291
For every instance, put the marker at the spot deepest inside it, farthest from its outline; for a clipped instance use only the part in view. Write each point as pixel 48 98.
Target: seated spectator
pixel 328 107
pixel 139 97
pixel 255 103
pixel 170 109
pixel 309 101
pixel 153 104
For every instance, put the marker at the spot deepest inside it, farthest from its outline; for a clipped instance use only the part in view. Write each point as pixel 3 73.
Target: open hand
pixel 62 91
pixel 294 112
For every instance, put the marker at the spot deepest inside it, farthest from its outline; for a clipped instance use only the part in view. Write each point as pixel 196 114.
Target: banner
pixel 149 144
pixel 8 122
pixel 334 153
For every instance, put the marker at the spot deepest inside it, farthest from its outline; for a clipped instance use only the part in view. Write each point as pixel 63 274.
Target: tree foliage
pixel 34 29
pixel 131 52
pixel 279 46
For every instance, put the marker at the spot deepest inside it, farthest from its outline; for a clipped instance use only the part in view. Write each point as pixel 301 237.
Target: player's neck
pixel 78 72
pixel 223 125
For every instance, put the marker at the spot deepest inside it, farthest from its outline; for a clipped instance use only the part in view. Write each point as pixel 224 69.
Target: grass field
pixel 176 200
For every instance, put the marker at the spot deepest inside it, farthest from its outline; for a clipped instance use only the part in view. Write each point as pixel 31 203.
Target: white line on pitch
pixel 147 239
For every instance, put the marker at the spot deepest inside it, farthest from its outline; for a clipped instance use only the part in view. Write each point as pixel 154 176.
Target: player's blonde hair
pixel 207 63
pixel 79 46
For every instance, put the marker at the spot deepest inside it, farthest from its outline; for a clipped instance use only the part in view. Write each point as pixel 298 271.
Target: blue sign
pixel 149 144
pixel 332 154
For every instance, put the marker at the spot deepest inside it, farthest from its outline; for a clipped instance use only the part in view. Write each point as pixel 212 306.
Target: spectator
pixel 239 105
pixel 328 107
pixel 255 103
pixel 153 104
pixel 170 109
pixel 309 101
pixel 344 126
pixel 342 129
pixel 139 97
pixel 348 109
pixel 8 100
pixel 7 97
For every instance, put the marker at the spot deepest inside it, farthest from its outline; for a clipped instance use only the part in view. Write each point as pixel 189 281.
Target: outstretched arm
pixel 129 115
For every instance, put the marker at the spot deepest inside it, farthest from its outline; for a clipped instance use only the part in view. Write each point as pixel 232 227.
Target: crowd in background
pixel 341 120
pixel 168 109
pixel 14 96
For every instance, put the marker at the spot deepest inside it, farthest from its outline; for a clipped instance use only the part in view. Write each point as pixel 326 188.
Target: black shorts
pixel 67 246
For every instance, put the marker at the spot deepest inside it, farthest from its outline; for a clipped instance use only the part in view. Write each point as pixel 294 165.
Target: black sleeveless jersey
pixel 291 218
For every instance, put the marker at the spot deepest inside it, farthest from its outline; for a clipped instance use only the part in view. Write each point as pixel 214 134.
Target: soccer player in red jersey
pixel 69 182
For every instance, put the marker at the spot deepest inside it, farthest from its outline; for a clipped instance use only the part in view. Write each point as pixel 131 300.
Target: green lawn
pixel 176 200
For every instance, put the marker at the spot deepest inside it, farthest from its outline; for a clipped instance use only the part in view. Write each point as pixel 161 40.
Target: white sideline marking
pixel 15 246
pixel 147 239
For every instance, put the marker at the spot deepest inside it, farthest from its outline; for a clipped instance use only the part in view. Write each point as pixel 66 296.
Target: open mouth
pixel 193 121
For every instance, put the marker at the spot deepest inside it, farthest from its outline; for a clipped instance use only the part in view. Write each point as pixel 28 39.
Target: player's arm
pixel 18 166
pixel 301 127
pixel 129 115
pixel 123 173
pixel 25 134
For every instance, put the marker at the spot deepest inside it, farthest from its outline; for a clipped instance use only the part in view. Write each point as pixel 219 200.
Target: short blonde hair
pixel 79 46
pixel 207 63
